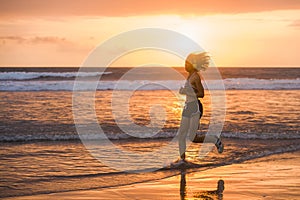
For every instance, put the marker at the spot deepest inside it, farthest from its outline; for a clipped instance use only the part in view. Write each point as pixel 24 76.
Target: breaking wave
pixel 68 85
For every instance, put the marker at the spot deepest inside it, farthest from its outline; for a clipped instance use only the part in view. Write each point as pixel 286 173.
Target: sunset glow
pixel 63 34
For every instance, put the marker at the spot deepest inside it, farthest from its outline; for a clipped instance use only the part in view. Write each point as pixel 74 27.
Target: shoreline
pixel 270 177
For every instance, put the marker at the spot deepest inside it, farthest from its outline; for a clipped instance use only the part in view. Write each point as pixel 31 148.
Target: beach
pixel 271 177
pixel 189 100
pixel 46 154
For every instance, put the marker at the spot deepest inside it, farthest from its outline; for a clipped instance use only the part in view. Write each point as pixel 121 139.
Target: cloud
pixel 57 44
pixel 33 40
pixel 17 39
pixel 48 40
pixel 119 8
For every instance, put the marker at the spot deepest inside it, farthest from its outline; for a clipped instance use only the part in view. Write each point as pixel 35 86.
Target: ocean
pixel 41 151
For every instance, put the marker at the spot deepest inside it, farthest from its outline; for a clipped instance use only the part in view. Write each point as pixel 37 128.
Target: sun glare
pixel 149 57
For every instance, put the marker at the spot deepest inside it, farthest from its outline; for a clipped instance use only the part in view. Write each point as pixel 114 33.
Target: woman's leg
pixel 182 133
pixel 193 127
pixel 194 122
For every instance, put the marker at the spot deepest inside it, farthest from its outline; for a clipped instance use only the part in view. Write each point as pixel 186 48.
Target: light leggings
pixel 189 127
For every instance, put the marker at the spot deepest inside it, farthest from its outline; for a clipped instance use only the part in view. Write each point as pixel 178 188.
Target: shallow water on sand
pixel 43 167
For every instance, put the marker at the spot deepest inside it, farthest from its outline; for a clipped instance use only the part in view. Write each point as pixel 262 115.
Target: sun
pixel 189 29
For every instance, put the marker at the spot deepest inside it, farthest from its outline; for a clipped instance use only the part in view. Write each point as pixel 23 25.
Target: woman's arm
pixel 199 90
pixel 196 89
pixel 187 91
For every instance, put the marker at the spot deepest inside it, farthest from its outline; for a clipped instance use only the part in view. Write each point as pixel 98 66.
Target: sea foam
pixel 68 85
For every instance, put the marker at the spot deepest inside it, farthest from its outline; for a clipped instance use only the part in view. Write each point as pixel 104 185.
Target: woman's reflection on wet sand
pixel 207 195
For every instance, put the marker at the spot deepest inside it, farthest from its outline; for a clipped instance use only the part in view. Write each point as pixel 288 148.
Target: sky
pixel 257 33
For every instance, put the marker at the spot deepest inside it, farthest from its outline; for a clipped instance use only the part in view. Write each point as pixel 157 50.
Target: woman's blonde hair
pixel 199 60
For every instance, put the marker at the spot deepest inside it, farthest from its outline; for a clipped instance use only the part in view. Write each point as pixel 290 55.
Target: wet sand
pixel 272 177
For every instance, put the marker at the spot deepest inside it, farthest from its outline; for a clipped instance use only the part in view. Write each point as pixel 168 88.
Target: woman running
pixel 193 110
